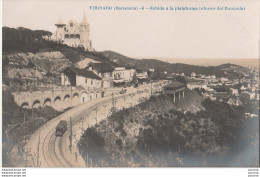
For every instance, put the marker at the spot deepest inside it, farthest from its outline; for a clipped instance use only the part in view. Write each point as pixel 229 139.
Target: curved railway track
pixel 52 152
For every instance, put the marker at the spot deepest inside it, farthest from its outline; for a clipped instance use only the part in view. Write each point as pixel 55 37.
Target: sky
pixel 157 34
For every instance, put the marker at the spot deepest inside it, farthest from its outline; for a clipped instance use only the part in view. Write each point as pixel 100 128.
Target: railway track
pixel 52 146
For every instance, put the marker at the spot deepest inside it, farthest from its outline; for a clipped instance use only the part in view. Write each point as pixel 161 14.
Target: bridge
pixel 58 99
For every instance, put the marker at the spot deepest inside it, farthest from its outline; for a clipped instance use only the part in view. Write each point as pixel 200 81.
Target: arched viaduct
pixel 58 99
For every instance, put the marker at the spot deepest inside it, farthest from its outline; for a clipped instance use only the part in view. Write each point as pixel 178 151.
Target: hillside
pixel 157 134
pixel 23 40
pixel 160 66
pixel 24 50
pixel 233 68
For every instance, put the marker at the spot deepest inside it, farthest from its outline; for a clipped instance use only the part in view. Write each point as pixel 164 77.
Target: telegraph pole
pixel 124 101
pixel 151 88
pixel 70 146
pixel 82 124
pixel 96 113
pixel 113 103
pixel 33 119
pixel 38 149
pixel 24 128
pixel 34 75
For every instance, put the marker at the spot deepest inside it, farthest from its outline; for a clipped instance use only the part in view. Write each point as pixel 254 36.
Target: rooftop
pixel 175 85
pixel 101 67
pixel 81 72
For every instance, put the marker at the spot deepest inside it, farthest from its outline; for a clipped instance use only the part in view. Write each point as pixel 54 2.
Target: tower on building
pixel 74 34
pixel 60 31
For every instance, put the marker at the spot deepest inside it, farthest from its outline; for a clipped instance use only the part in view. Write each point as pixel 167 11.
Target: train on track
pixel 61 128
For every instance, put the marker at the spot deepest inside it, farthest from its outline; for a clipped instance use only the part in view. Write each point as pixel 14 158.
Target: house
pixel 233 91
pixel 249 95
pixel 73 34
pixel 142 77
pixel 71 76
pixel 121 73
pixel 103 70
pixel 223 79
pixel 193 75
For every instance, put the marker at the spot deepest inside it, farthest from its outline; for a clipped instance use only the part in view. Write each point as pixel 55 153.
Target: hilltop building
pixel 73 34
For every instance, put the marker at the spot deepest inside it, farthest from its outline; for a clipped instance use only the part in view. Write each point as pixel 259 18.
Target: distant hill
pixel 233 68
pixel 160 66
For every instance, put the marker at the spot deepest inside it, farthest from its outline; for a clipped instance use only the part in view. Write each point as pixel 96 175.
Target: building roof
pixel 101 67
pixel 175 85
pixel 81 72
pixel 233 101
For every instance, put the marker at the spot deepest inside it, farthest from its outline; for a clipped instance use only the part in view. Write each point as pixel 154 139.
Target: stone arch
pixel 66 101
pixel 66 97
pixel 75 95
pixel 57 99
pixel 36 104
pixel 75 99
pixel 84 97
pixel 57 102
pixel 25 105
pixel 47 102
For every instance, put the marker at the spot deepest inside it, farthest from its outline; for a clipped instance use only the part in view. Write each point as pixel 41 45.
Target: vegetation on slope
pixel 155 133
pixel 18 123
pixel 26 40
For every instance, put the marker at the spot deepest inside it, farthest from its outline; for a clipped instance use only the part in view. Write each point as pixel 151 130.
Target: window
pixel 91 82
pixel 86 81
pixel 71 24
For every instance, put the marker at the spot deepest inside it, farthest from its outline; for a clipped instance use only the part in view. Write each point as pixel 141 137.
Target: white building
pixel 193 74
pixel 234 91
pixel 73 34
pixel 71 76
pixel 126 75
pixel 192 86
pixel 103 70
pixel 223 79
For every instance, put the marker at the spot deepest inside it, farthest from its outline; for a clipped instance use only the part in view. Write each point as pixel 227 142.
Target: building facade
pixel 121 73
pixel 103 70
pixel 73 34
pixel 72 76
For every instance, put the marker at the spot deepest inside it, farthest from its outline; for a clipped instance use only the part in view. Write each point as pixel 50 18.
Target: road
pixel 52 151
